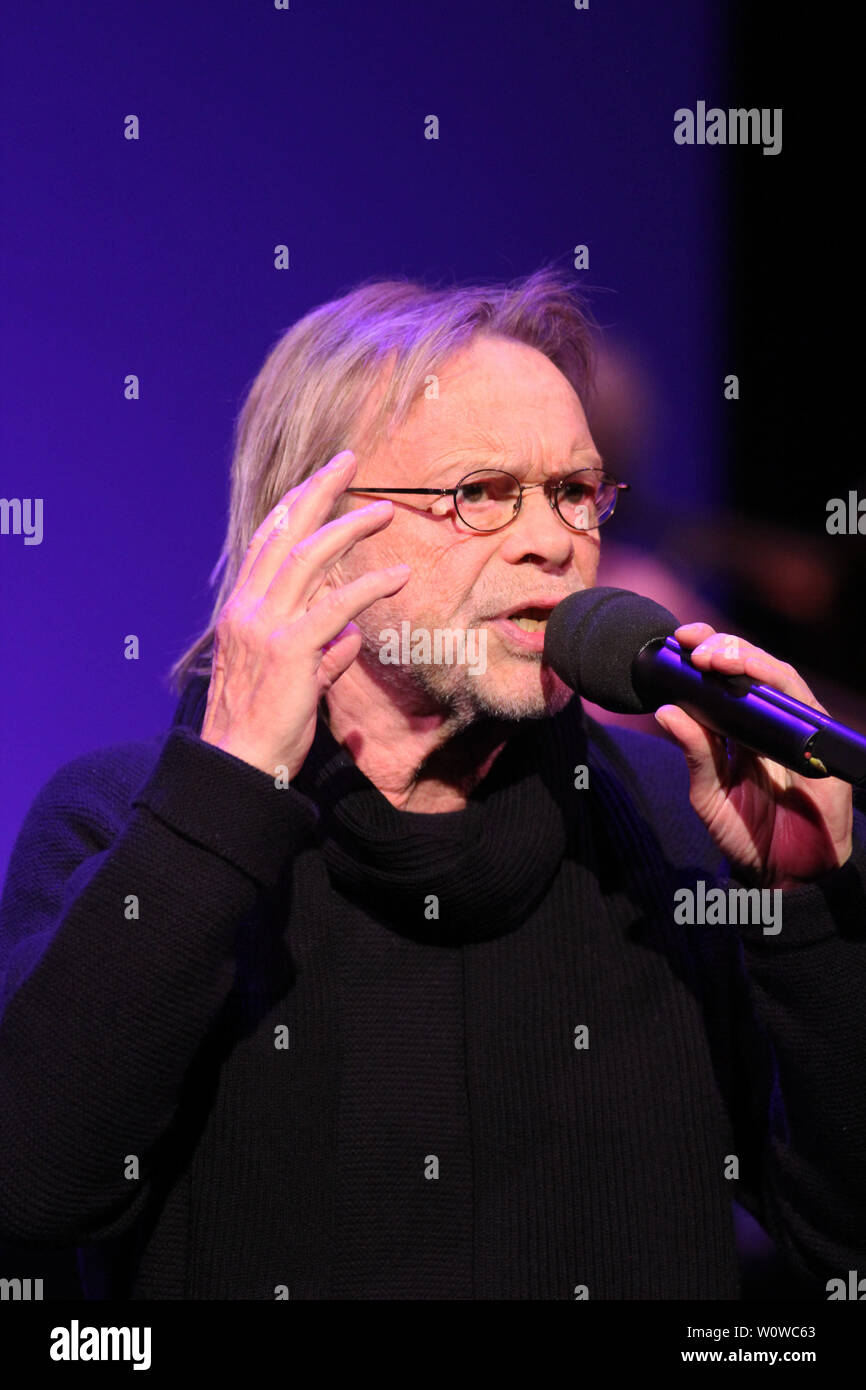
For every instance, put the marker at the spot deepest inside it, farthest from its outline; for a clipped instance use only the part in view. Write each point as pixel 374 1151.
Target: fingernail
pixel 343 459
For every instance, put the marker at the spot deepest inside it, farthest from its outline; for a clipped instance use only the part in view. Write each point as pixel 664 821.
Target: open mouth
pixel 530 619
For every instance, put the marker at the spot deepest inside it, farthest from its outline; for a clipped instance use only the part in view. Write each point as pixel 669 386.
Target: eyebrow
pixel 482 457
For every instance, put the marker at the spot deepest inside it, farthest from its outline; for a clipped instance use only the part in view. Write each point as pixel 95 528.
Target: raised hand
pixel 282 639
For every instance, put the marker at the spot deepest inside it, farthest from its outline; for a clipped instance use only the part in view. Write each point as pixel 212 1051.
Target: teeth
pixel 530 624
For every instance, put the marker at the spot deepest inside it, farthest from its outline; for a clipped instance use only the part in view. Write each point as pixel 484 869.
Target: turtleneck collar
pixel 443 877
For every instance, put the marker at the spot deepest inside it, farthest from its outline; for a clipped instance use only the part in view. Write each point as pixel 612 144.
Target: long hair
pixel 308 399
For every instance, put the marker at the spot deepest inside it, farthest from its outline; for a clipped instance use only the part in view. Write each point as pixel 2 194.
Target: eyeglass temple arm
pixel 433 491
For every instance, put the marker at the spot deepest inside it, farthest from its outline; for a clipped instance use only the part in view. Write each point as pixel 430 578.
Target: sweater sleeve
pixel 118 925
pixel 797 1009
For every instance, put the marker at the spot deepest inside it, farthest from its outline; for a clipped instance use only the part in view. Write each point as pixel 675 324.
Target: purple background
pixel 156 257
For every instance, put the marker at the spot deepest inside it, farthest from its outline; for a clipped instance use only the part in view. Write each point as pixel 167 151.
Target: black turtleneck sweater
pixel 261 1042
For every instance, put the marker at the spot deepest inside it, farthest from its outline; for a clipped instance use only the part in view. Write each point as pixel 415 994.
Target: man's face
pixel 501 404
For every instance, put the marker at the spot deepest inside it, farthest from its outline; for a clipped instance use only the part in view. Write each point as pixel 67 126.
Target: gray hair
pixel 306 402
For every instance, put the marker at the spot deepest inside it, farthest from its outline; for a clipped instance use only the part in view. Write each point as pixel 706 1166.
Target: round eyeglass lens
pixel 487 499
pixel 585 500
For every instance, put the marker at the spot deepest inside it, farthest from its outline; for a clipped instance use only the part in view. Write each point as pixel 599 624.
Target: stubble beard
pixel 461 697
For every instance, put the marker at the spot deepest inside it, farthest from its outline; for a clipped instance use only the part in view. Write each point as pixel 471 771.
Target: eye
pixel 487 486
pixel 474 492
pixel 578 490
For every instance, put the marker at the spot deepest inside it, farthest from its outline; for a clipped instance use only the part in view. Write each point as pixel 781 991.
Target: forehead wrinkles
pixel 520 453
pixel 476 439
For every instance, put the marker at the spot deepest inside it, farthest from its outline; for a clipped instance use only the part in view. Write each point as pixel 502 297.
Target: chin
pixel 535 693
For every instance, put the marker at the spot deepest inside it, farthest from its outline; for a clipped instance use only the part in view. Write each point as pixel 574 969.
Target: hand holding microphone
pixel 617 649
pixel 778 809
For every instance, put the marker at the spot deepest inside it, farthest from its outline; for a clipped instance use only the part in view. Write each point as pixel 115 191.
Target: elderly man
pixel 366 980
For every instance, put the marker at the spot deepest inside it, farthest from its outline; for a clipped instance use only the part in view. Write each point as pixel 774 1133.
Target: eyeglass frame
pixel 552 488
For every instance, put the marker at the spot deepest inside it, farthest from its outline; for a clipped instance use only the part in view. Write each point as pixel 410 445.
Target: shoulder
pixel 657 765
pixel 654 775
pixel 96 788
pixel 70 822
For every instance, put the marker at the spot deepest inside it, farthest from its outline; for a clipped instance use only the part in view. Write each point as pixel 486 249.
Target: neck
pixel 419 757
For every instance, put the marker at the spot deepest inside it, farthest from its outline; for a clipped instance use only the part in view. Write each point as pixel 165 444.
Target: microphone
pixel 616 649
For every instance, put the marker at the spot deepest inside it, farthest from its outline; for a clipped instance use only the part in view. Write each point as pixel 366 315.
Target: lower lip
pixel 518 636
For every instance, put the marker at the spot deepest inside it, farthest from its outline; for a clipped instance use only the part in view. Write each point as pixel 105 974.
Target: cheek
pixel 374 552
pixel 444 566
pixel 587 552
pixel 451 571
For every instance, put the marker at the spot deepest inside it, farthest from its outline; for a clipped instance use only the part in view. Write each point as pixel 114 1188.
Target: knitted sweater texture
pixel 261 1042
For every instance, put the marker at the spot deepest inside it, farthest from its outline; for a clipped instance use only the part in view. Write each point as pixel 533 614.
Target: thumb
pixel 339 653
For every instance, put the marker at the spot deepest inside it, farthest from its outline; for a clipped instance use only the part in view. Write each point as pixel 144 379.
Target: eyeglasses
pixel 490 498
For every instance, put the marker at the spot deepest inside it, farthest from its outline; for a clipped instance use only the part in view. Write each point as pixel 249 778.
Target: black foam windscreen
pixel 593 637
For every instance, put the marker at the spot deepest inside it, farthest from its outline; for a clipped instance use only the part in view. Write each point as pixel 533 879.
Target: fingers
pixel 338 655
pixel 299 511
pixel 705 753
pixel 302 572
pixel 730 655
pixel 690 634
pixel 326 619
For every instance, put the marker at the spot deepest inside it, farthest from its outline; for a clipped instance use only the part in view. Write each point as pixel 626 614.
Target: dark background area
pixel 793 441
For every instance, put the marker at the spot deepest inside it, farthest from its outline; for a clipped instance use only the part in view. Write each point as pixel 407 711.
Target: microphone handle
pixel 761 718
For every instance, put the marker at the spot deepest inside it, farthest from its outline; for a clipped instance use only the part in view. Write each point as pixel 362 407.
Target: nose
pixel 539 533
